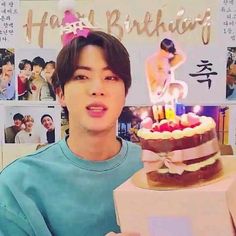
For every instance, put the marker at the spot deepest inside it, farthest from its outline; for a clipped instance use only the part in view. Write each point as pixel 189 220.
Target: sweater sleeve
pixel 11 224
pixel 12 219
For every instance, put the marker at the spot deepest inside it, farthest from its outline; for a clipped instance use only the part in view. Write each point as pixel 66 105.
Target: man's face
pixel 27 70
pixel 37 69
pixel 7 69
pixel 17 123
pixel 94 96
pixel 47 122
pixel 29 124
pixel 48 70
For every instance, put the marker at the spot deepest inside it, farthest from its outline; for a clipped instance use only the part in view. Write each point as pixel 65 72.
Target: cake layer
pixel 198 160
pixel 168 145
pixel 187 178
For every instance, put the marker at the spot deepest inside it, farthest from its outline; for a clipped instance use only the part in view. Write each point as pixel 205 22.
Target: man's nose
pixel 97 88
pixel 98 93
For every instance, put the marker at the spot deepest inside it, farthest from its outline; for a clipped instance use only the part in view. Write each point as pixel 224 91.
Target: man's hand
pixel 123 234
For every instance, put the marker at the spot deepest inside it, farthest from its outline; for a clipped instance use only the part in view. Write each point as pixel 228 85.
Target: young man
pixel 29 134
pixel 159 71
pixel 25 67
pixel 67 188
pixel 47 73
pixel 48 124
pixel 11 131
pixel 38 87
pixel 7 82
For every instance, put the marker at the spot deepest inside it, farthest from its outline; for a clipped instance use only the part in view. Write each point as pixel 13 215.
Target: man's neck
pixel 51 129
pixel 94 146
pixel 28 130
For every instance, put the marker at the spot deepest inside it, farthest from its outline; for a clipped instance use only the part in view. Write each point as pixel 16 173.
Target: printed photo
pixel 1 125
pixel 34 75
pixel 64 123
pixel 7 74
pixel 232 124
pixel 32 124
pixel 130 120
pixel 231 74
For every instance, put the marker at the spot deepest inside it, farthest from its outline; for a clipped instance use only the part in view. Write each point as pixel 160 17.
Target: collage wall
pixel 30 39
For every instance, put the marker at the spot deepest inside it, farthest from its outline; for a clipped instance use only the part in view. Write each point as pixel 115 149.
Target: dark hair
pixel 23 63
pixel 168 45
pixel 18 116
pixel 115 53
pixel 8 58
pixel 50 62
pixel 5 57
pixel 44 117
pixel 38 61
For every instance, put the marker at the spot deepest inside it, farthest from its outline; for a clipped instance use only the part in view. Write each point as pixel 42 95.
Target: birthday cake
pixel 182 152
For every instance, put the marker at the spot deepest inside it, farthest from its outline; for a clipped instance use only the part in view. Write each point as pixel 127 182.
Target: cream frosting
pixel 206 124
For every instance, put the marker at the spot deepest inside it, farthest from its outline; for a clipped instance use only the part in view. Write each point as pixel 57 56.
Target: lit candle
pixel 170 113
pixel 158 112
pixel 155 112
pixel 179 109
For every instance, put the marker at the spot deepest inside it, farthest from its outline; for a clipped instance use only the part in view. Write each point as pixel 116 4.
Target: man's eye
pixel 112 77
pixel 81 77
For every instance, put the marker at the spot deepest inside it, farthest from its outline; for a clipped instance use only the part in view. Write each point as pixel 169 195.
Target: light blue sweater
pixel 54 192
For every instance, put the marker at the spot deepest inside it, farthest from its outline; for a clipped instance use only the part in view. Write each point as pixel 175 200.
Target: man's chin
pixel 95 130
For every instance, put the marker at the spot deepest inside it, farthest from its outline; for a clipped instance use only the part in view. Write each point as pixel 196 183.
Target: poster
pixel 195 30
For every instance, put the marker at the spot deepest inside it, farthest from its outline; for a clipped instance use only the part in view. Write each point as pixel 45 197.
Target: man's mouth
pixel 96 109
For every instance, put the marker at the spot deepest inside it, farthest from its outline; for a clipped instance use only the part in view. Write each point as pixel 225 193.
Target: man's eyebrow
pixel 78 67
pixel 106 68
pixel 83 68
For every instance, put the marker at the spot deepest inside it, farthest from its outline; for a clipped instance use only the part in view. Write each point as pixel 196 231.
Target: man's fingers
pixel 111 234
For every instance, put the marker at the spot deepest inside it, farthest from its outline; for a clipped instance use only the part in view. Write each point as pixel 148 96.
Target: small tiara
pixel 72 26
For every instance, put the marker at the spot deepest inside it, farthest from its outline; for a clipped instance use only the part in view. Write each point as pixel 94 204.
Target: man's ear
pixel 61 97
